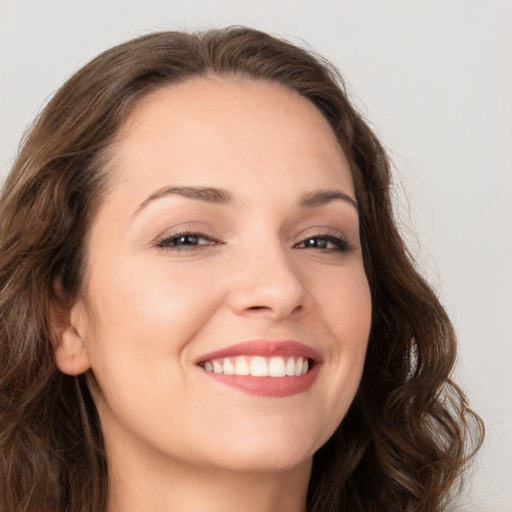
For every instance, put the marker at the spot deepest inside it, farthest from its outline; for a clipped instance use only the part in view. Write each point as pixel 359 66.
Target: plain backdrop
pixel 433 77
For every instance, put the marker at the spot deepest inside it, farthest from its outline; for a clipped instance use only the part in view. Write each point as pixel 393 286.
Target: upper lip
pixel 265 348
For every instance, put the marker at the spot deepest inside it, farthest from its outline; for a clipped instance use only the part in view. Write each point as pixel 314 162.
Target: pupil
pixel 315 242
pixel 187 240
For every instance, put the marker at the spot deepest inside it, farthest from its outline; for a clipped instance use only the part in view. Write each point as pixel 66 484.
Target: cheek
pixel 343 299
pixel 345 310
pixel 144 317
pixel 138 303
pixel 354 316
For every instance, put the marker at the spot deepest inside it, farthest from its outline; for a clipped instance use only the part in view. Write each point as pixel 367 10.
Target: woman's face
pixel 228 242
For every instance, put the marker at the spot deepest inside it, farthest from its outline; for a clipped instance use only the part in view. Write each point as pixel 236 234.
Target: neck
pixel 168 485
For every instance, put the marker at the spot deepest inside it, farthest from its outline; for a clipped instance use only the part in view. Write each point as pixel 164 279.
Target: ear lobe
pixel 66 321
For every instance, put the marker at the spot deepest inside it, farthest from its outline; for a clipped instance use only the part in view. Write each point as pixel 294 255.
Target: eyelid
pixel 337 237
pixel 318 231
pixel 163 242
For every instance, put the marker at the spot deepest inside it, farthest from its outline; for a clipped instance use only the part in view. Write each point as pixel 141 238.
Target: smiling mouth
pixel 274 369
pixel 259 366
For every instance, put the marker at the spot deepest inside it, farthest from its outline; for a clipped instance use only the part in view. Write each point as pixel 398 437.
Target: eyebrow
pixel 323 197
pixel 221 196
pixel 208 194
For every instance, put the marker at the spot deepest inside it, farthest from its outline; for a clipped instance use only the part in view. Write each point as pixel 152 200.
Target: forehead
pixel 216 130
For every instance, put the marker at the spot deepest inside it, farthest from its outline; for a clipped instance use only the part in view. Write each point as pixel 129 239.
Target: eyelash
pixel 340 244
pixel 169 243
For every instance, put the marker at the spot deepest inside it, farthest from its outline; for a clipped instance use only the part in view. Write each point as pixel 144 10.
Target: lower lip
pixel 277 387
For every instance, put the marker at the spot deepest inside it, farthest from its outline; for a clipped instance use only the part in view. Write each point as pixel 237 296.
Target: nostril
pixel 266 309
pixel 267 297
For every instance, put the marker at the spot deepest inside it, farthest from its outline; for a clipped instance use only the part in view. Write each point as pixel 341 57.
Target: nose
pixel 266 283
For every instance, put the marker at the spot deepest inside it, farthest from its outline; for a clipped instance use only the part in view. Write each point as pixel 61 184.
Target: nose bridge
pixel 266 281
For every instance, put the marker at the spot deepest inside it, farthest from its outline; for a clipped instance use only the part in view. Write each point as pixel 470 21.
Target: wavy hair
pixel 409 432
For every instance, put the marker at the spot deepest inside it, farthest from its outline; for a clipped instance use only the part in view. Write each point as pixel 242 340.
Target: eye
pixel 326 243
pixel 186 240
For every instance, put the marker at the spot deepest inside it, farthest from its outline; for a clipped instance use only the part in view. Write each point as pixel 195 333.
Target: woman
pixel 205 301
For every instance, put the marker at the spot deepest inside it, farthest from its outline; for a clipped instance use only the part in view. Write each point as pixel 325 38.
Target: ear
pixel 67 321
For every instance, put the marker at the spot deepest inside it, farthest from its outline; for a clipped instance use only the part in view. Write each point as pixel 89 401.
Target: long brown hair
pixel 409 432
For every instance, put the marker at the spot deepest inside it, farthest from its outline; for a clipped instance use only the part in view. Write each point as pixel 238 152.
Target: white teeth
pixel 259 366
pixel 228 367
pixel 242 366
pixel 290 367
pixel 276 367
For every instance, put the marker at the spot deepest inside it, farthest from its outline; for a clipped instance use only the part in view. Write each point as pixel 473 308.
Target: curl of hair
pixel 408 434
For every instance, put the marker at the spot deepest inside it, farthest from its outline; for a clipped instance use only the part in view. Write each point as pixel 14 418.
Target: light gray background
pixel 433 77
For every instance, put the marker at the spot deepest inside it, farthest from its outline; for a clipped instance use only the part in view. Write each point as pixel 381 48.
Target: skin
pixel 176 439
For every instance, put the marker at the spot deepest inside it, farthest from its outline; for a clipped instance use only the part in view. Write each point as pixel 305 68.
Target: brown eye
pixel 184 241
pixel 325 242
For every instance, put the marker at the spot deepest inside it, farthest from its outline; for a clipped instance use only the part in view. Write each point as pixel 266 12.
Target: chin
pixel 270 450
pixel 267 461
